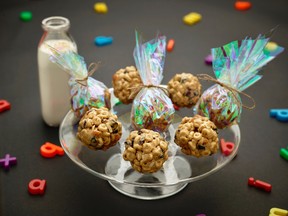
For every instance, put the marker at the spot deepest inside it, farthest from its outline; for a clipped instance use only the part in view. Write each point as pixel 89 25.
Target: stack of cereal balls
pixel 197 135
pixel 145 149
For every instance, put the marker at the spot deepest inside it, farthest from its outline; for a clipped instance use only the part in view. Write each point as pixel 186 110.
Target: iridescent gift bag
pixel 152 108
pixel 86 92
pixel 236 66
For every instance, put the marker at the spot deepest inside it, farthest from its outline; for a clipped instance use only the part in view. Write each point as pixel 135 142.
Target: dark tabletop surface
pixel 73 191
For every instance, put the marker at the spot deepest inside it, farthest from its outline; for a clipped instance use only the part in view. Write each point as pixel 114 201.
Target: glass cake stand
pixel 177 171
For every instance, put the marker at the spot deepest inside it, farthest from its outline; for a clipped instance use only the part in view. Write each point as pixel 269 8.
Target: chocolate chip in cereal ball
pixel 146 150
pixel 99 129
pixel 197 136
pixel 184 89
pixel 123 81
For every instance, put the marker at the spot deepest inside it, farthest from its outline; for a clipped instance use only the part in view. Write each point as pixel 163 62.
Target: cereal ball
pixel 123 81
pixel 184 89
pixel 99 129
pixel 197 136
pixel 146 150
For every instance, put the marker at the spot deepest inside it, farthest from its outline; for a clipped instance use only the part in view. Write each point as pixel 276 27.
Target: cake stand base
pixel 144 186
pixel 147 193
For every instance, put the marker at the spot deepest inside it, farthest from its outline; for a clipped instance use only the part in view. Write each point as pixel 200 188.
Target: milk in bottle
pixel 53 80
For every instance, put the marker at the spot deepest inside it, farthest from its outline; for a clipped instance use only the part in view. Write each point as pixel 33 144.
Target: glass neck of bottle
pixel 56 24
pixel 57 28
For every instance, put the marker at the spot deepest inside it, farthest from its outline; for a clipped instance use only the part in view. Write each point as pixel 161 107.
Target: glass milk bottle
pixel 53 80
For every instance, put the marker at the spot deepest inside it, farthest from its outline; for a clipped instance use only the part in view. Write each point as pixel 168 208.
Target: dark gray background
pixel 72 191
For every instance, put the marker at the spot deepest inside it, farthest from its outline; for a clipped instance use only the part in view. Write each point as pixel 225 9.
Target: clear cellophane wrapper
pixel 151 108
pixel 220 105
pixel 236 66
pixel 93 94
pixel 86 92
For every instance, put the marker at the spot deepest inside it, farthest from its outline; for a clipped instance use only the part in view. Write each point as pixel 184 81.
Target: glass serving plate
pixel 177 171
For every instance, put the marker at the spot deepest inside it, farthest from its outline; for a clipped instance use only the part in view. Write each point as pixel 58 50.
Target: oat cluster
pixel 123 81
pixel 99 129
pixel 184 89
pixel 146 150
pixel 197 136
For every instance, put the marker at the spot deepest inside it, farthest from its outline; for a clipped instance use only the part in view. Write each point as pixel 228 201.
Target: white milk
pixel 53 81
